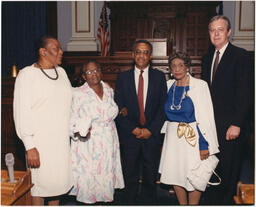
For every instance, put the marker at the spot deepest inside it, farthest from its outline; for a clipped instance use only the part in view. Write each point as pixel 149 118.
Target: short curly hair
pixel 145 42
pixel 84 66
pixel 180 55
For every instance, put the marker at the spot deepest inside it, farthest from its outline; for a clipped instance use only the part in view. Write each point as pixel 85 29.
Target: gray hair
pixel 90 61
pixel 217 17
pixel 180 55
pixel 145 42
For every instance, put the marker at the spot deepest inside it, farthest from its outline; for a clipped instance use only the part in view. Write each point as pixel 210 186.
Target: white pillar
pixel 83 34
pixel 244 25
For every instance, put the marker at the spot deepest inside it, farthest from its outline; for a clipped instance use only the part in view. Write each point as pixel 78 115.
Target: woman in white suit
pixel 188 108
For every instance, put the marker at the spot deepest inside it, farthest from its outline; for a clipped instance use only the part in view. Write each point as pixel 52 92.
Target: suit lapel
pixel 150 89
pixel 192 85
pixel 209 65
pixel 132 87
pixel 223 63
pixel 224 59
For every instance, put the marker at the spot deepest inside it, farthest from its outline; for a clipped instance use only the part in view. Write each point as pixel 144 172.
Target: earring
pixel 188 72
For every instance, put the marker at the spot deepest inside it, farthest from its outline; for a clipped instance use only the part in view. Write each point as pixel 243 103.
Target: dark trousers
pixel 229 167
pixel 140 160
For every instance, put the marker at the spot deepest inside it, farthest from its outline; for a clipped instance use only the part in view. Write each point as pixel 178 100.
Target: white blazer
pixel 200 95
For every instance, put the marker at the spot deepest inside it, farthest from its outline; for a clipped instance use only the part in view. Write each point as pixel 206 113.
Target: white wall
pixel 64 18
pixel 229 11
pixel 64 15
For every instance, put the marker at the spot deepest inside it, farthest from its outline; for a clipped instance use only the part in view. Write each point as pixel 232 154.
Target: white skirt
pixel 178 157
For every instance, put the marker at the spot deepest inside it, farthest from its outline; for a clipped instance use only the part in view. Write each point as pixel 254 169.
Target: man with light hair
pixel 227 70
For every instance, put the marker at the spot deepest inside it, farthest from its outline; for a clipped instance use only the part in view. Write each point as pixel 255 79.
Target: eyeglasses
pixel 90 72
pixel 144 52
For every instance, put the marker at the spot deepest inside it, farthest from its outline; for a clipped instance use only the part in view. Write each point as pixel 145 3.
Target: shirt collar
pixel 222 50
pixel 137 70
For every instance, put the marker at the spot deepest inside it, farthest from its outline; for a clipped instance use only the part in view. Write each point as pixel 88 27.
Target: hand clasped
pixel 141 133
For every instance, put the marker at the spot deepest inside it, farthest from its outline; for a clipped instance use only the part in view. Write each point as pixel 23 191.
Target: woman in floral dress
pixel 95 151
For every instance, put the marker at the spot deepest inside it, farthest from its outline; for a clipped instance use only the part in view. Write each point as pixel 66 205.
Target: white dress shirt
pixel 222 50
pixel 145 80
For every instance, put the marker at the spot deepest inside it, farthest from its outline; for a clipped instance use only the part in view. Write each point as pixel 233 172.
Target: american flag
pixel 103 34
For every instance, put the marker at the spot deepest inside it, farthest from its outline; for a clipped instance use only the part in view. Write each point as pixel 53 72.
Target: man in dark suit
pixel 226 68
pixel 140 95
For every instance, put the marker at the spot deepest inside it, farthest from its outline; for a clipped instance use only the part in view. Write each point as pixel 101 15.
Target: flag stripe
pixel 103 33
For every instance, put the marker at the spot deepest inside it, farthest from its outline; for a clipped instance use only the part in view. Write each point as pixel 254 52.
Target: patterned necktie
pixel 140 98
pixel 215 65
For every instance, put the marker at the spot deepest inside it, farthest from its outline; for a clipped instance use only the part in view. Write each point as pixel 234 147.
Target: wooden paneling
pixel 196 38
pixel 111 66
pixel 9 140
pixel 184 24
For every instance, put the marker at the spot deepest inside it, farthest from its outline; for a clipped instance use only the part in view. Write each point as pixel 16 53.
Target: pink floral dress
pixel 96 162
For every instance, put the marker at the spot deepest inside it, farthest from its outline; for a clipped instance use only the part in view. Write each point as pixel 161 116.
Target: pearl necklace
pixel 57 75
pixel 178 107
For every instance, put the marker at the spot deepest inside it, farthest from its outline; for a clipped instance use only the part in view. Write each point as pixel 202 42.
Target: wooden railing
pixel 113 65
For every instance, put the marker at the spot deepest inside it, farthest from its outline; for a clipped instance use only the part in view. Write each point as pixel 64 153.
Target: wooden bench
pixel 245 193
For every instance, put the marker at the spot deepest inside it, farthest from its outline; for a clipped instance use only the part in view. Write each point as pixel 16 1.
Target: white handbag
pixel 200 175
